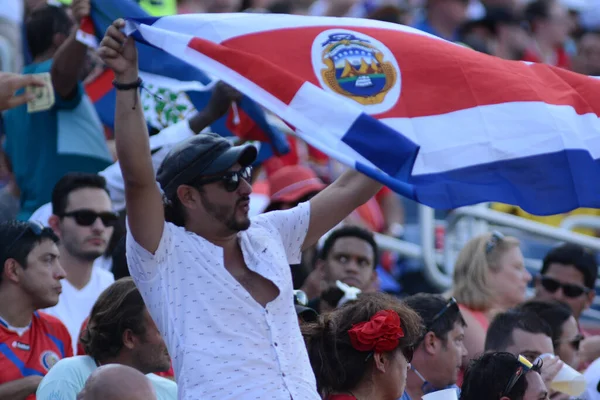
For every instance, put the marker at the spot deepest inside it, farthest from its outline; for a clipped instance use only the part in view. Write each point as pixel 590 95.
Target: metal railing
pixel 466 222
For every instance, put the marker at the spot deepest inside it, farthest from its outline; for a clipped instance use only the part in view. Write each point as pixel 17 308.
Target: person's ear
pixel 54 223
pixel 430 343
pixel 129 339
pixel 381 361
pixel 590 299
pixel 188 196
pixel 12 271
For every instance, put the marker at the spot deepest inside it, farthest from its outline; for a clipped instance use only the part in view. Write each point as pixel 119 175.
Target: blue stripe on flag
pixel 545 184
pixel 402 188
pixel 387 149
pixel 12 357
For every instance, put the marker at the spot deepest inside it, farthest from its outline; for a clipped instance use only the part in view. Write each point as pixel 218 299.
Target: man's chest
pixel 30 354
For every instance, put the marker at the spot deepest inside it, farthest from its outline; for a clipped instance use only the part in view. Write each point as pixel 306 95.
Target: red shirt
pixel 45 342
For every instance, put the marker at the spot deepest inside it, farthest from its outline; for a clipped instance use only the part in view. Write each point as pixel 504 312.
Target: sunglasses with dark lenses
pixel 570 290
pixel 32 227
pixel 575 342
pixel 88 217
pixel 523 367
pixel 231 180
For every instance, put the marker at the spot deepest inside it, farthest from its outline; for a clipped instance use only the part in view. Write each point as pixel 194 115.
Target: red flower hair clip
pixel 380 334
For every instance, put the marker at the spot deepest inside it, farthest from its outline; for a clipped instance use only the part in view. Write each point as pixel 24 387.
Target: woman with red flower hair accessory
pixel 362 350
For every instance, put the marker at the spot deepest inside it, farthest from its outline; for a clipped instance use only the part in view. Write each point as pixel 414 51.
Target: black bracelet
pixel 128 86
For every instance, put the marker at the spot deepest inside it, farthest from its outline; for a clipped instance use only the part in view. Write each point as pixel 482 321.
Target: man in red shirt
pixel 31 342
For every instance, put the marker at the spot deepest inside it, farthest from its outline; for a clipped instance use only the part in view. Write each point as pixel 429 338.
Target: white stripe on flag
pixel 492 133
pixel 218 28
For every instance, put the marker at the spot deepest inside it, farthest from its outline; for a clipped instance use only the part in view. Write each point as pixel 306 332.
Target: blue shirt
pixel 44 146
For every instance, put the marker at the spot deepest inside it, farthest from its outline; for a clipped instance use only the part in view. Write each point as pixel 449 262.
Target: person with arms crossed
pixel 120 331
pixel 31 342
pixel 217 284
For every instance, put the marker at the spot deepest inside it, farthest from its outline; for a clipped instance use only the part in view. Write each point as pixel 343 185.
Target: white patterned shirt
pixel 223 343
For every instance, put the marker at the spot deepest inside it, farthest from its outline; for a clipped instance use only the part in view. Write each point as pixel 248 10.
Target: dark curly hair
pixel 338 366
pixel 119 307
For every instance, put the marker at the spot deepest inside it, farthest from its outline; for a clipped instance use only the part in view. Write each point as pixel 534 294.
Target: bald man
pixel 117 382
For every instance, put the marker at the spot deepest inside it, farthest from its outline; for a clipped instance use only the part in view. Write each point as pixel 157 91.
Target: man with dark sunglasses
pixel 503 376
pixel 438 355
pixel 217 283
pixel 31 342
pixel 568 274
pixel 84 221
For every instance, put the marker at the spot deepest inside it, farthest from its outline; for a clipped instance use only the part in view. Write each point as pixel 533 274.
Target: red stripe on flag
pixel 437 77
pixel 100 86
pixel 278 82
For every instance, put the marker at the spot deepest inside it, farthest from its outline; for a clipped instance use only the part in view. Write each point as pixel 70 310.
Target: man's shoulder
pixel 105 278
pixel 165 388
pixel 76 365
pixel 264 219
pixel 49 321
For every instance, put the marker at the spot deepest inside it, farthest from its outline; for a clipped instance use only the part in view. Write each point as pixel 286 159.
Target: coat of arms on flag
pixel 358 67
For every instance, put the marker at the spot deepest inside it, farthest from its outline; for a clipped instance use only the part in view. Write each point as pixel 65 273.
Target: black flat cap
pixel 201 155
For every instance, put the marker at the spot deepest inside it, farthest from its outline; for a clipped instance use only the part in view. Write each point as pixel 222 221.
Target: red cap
pixel 291 183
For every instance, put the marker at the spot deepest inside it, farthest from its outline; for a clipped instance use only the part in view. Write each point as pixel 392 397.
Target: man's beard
pixel 74 250
pixel 226 214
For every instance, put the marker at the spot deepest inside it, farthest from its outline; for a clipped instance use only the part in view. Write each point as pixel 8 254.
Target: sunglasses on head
pixel 496 238
pixel 575 342
pixel 231 180
pixel 523 367
pixel 32 226
pixel 570 290
pixel 450 305
pixel 88 217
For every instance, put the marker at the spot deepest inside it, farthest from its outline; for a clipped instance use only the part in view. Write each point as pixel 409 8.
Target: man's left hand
pixel 10 83
pixel 81 9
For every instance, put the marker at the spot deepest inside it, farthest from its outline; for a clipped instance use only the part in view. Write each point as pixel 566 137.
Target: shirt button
pixel 283 374
pixel 275 344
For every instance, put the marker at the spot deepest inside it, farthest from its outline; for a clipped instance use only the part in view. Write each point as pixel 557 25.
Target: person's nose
pixel 245 188
pixel 59 272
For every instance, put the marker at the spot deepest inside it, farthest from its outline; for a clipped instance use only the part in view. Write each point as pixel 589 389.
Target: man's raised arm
pixel 143 198
pixel 336 201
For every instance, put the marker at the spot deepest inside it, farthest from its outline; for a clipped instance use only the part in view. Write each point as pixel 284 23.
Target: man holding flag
pixel 216 282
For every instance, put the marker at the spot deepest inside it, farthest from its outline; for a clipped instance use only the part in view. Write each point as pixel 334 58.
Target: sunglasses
pixel 523 367
pixel 88 217
pixel 450 305
pixel 575 342
pixel 300 298
pixel 496 238
pixel 32 227
pixel 231 180
pixel 570 290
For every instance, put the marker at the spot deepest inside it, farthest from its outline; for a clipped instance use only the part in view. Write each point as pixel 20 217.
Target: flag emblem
pixel 358 67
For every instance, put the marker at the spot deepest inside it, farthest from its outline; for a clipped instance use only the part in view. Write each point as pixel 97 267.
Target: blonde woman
pixel 489 278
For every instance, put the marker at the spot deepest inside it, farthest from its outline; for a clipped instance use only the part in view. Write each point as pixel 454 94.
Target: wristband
pixel 128 86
